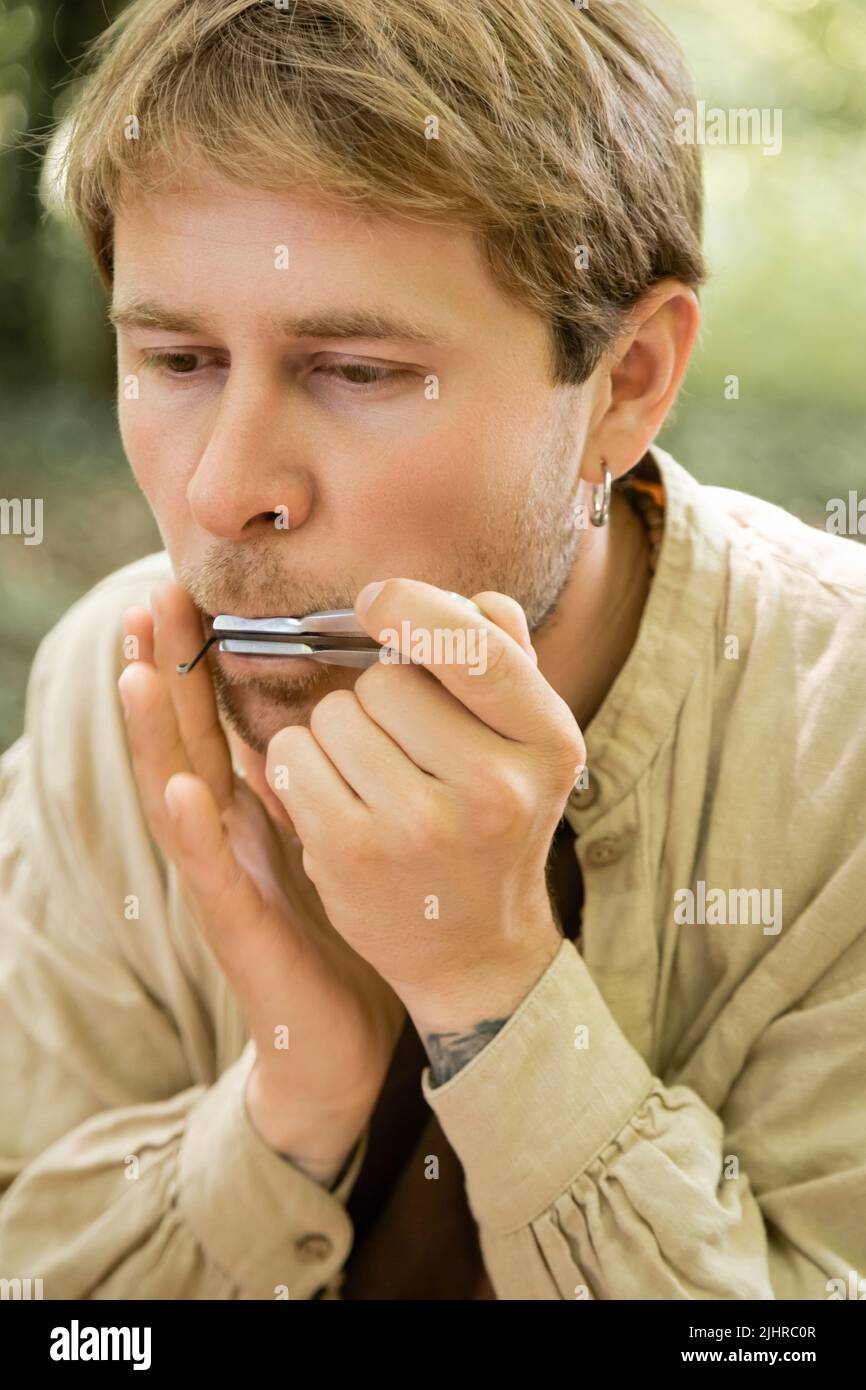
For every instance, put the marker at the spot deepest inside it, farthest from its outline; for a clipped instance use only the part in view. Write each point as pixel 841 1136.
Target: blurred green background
pixel 783 311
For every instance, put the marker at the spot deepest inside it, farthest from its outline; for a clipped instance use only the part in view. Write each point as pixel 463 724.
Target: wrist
pixel 319 1146
pixel 501 990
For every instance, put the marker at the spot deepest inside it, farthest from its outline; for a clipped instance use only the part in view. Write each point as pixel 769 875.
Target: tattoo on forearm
pixel 448 1052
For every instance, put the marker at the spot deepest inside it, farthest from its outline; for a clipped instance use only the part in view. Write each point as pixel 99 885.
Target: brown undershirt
pixel 565 881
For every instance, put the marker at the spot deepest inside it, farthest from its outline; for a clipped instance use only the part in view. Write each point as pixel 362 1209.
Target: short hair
pixel 556 132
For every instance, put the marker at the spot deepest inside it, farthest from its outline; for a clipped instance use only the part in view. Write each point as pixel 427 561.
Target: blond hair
pixel 556 132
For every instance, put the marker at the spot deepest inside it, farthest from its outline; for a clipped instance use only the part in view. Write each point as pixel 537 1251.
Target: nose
pixel 250 475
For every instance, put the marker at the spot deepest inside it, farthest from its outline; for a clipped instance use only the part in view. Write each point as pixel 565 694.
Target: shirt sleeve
pixel 121 1176
pixel 590 1178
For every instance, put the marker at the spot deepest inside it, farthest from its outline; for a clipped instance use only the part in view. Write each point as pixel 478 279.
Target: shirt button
pixel 584 797
pixel 604 851
pixel 312 1248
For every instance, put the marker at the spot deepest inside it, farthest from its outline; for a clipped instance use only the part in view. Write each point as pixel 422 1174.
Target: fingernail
pixel 172 807
pixel 471 602
pixel 123 702
pixel 367 595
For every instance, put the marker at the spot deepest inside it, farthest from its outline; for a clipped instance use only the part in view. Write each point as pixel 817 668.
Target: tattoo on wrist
pixel 448 1052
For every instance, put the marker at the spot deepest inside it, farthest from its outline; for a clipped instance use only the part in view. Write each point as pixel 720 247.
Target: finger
pixel 155 744
pixel 366 757
pixel 507 613
pixel 138 634
pixel 177 633
pixel 484 668
pixel 304 779
pixel 433 729
pixel 225 900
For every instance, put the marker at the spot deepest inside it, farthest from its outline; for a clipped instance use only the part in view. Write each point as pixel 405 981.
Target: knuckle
pixel 504 603
pixel 568 748
pixel 395 593
pixel 282 741
pixel 423 831
pixel 395 588
pixel 501 800
pixel 376 678
pixel 281 748
pixel 331 710
pixel 496 665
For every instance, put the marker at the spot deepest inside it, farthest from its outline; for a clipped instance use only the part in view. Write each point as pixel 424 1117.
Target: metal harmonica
pixel 333 636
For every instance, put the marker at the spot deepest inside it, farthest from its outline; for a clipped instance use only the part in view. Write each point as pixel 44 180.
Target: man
pixel 540 976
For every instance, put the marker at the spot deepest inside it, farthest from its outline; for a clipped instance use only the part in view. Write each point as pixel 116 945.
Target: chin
pixel 258 709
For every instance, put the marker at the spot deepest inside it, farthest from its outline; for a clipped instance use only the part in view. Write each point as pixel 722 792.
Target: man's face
pixel 280 481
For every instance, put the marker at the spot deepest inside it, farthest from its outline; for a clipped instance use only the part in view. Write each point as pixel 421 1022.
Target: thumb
pixel 506 612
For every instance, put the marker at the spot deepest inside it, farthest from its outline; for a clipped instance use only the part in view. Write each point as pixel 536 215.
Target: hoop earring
pixel 601 499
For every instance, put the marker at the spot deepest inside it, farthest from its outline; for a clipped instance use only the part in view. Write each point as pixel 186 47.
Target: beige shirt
pixel 677 1113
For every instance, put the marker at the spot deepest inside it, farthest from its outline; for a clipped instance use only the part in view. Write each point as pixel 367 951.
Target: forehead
pixel 250 255
pixel 202 206
pixel 206 232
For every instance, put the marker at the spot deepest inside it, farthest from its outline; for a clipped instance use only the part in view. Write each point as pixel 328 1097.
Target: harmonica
pixel 333 636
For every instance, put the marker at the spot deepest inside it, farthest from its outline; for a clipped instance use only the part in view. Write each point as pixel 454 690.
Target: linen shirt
pixel 677 1111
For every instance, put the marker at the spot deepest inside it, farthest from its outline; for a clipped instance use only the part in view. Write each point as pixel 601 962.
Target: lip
pixel 282 664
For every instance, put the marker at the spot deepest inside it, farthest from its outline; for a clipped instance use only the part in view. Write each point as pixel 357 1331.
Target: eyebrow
pixel 336 323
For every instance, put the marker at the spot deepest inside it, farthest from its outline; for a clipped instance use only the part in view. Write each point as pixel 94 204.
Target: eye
pixel 360 374
pixel 171 363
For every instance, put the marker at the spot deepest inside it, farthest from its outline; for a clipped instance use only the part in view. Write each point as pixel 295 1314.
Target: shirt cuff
pixel 262 1220
pixel 534 1107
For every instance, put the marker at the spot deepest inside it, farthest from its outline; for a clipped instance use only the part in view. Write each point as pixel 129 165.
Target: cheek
pixel 434 485
pixel 153 447
pixel 154 452
pixel 141 439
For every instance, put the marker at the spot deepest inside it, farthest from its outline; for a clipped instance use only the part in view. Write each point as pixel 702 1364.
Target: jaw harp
pixel 334 637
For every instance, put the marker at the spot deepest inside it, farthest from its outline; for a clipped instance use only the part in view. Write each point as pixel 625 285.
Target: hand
pixel 443 789
pixel 242 878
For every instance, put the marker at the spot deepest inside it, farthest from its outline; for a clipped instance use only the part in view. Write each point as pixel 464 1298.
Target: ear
pixel 640 378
